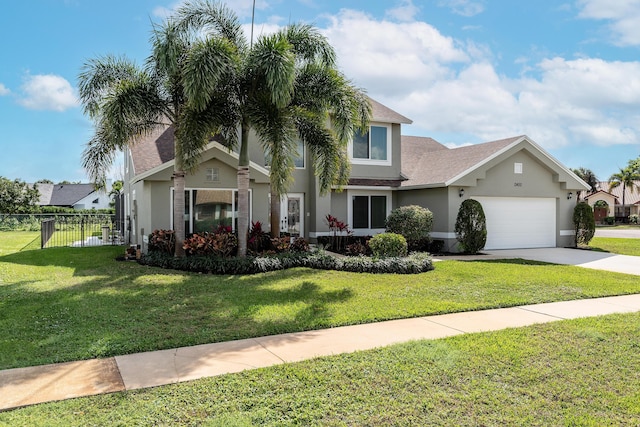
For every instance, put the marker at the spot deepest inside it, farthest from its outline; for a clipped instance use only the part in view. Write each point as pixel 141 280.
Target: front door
pixel 292 214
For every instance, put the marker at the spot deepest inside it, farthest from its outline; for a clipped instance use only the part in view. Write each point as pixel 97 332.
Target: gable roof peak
pixel 382 113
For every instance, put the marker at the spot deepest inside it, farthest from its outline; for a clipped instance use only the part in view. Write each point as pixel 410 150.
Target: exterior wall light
pixel 461 192
pixel 569 195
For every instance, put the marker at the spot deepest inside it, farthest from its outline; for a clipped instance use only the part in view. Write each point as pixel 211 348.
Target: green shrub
pixel 471 227
pixel 584 223
pixel 388 245
pixel 634 219
pixel 610 220
pixel 413 222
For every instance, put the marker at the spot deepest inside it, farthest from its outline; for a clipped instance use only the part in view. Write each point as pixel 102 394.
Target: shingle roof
pixel 45 190
pixel 153 150
pixel 427 163
pixel 381 113
pixel 630 198
pixel 69 194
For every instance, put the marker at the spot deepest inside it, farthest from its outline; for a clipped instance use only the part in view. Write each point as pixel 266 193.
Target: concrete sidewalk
pixel 28 386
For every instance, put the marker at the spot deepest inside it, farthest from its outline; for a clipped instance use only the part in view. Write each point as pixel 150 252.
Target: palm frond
pixel 272 63
pixel 328 156
pixel 208 63
pixel 309 45
pixel 212 18
pixel 98 76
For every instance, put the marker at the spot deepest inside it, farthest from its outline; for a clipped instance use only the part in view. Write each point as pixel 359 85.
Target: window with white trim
pixel 205 209
pixel 368 212
pixel 373 147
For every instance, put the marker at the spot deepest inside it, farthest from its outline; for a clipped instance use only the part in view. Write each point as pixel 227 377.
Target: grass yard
pixel 582 372
pixel 616 245
pixel 67 304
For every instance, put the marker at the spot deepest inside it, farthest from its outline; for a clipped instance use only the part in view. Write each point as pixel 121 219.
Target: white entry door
pixel 519 222
pixel 292 214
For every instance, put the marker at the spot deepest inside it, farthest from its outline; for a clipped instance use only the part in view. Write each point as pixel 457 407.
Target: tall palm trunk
pixel 178 211
pixel 178 198
pixel 243 191
pixel 275 213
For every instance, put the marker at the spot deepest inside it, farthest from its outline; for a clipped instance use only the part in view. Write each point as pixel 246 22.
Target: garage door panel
pixel 519 222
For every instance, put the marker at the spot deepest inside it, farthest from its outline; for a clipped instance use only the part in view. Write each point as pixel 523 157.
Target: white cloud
pixel 623 17
pixel 405 12
pixel 4 90
pixel 451 87
pixel 391 58
pixel 466 8
pixel 48 92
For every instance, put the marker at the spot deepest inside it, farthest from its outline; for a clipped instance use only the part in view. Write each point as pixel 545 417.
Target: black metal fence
pixel 78 230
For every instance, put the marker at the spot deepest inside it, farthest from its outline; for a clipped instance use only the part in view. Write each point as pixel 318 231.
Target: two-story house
pixel 528 196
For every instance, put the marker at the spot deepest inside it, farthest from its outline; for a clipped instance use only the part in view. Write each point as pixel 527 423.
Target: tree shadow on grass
pixel 114 308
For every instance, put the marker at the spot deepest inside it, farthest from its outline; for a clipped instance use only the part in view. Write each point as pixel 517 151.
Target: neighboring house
pixel 605 198
pixel 528 196
pixel 613 198
pixel 76 196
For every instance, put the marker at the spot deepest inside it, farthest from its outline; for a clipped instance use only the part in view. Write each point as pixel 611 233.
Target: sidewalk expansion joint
pixel 269 351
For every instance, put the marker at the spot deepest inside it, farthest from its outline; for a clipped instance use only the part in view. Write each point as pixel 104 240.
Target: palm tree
pixel 268 94
pixel 626 177
pixel 587 176
pixel 179 86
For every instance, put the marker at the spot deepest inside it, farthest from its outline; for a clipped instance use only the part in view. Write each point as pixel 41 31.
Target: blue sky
pixel 567 74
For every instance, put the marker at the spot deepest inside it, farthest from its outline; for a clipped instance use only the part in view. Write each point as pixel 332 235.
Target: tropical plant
pixel 626 177
pixel 339 231
pixel 180 86
pixel 285 87
pixel 584 223
pixel 162 241
pixel 388 245
pixel 471 227
pixel 587 176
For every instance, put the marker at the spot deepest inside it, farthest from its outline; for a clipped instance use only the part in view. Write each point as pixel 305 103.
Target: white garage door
pixel 518 222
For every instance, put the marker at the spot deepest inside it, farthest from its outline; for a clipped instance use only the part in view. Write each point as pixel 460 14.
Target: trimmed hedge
pixel 388 245
pixel 413 264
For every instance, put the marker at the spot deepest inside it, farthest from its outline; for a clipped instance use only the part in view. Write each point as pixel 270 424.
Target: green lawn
pixel 67 304
pixel 582 372
pixel 616 245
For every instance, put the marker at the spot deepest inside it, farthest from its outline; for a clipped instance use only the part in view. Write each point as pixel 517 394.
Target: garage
pixel 519 222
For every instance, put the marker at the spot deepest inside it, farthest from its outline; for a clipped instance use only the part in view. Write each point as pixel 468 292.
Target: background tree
pixel 587 176
pixel 179 86
pixel 471 227
pixel 626 177
pixel 44 181
pixel 17 197
pixel 273 94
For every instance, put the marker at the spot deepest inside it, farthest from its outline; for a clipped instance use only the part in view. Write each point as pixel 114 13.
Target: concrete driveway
pixel 581 258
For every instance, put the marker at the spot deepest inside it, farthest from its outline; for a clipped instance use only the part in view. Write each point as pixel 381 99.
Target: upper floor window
pixel 373 147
